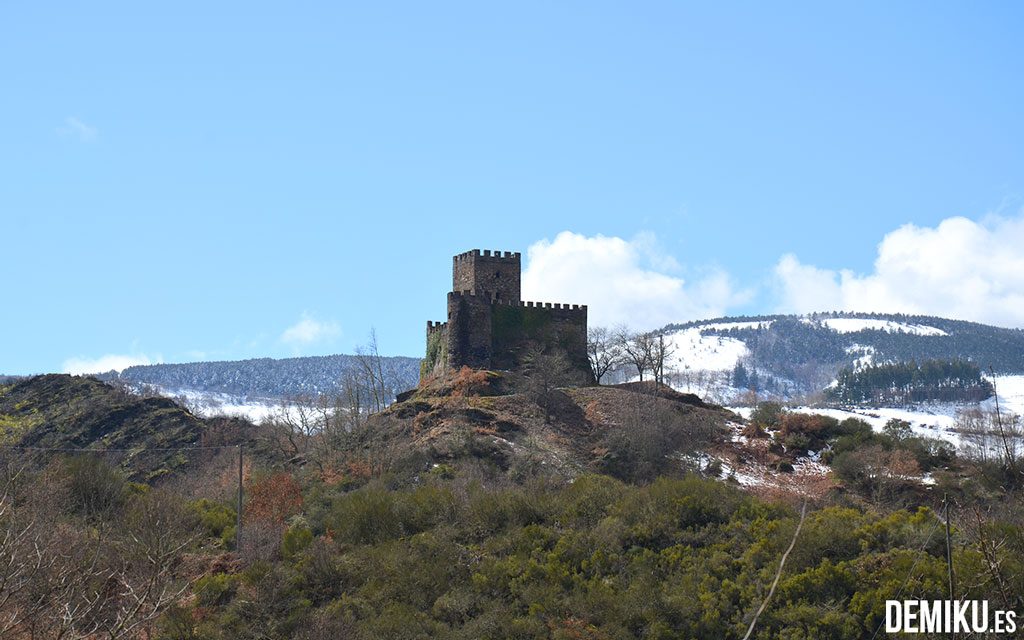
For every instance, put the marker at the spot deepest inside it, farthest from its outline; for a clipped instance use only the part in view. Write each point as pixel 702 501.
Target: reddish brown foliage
pixel 360 469
pixel 575 629
pixel 274 498
pixel 802 423
pixel 469 382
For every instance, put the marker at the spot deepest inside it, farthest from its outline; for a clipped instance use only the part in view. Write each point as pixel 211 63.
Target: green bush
pixel 295 540
pixel 215 589
pixel 217 520
pixel 767 414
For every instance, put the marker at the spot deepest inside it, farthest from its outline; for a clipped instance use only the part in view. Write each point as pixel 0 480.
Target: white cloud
pixel 81 366
pixel 622 281
pixel 73 126
pixel 309 330
pixel 960 269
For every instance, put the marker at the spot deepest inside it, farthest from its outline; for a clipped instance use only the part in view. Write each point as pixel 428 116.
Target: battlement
pixel 471 293
pixel 539 305
pixel 487 253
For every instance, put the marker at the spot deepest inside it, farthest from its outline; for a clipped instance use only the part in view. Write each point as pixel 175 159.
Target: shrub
pixel 216 519
pixel 295 540
pixel 274 498
pixel 94 488
pixel 214 590
pixel 767 414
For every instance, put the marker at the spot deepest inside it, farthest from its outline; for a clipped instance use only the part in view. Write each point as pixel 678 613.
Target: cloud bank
pixel 623 281
pixel 309 330
pixel 960 269
pixel 111 362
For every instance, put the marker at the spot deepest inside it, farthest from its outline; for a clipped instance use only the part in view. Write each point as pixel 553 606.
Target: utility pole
pixel 238 524
pixel 949 549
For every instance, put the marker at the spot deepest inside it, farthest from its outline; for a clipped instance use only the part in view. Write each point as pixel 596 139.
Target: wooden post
pixel 949 549
pixel 238 524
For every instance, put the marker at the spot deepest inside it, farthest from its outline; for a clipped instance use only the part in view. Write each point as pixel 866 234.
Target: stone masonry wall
pixel 516 329
pixel 469 329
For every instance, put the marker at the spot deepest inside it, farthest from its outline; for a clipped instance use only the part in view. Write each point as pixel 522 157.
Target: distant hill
pixel 790 355
pixel 67 413
pixel 265 378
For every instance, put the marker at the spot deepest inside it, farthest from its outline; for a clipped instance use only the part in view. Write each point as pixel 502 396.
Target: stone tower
pixel 494 272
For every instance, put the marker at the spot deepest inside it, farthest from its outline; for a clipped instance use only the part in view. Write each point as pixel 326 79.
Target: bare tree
pixel 637 349
pixel 660 352
pixel 541 375
pixel 156 529
pixel 106 574
pixel 294 425
pixel 371 371
pixel 991 437
pixel 603 351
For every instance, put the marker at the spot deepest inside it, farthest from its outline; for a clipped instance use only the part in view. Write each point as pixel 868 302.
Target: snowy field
pixel 933 420
pixel 851 325
pixel 208 405
pixel 692 351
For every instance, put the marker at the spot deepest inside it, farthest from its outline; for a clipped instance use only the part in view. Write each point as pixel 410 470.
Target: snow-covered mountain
pixel 790 356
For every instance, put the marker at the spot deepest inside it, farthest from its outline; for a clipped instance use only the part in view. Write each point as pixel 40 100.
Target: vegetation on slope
pixel 485 506
pixel 68 412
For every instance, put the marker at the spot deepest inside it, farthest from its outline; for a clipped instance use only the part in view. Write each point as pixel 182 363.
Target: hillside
pixel 143 435
pixel 474 420
pixel 255 388
pixel 789 356
pixel 267 377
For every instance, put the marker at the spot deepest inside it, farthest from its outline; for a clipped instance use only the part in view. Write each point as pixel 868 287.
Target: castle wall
pixel 516 329
pixel 469 329
pixel 436 360
pixel 496 272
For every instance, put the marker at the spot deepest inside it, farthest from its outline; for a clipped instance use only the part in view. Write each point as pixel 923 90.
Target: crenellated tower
pixel 490 327
pixel 495 272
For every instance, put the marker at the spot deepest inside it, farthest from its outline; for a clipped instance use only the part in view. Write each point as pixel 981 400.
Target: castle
pixel 490 327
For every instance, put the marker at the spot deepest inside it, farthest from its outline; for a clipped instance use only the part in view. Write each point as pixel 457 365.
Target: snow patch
pixel 851 325
pixel 865 356
pixel 207 404
pixel 1010 391
pixel 726 326
pixel 691 350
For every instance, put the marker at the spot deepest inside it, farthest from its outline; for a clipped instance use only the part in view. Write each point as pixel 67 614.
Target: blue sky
pixel 231 180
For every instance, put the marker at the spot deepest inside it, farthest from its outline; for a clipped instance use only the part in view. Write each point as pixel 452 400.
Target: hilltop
pixel 145 436
pixel 473 418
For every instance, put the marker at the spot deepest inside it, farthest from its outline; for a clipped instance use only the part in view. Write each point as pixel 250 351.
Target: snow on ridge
pixel 865 356
pixel 725 326
pixel 210 404
pixel 851 325
pixel 695 351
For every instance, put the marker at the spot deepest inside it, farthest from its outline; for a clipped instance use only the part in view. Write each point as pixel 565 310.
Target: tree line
pixel 906 382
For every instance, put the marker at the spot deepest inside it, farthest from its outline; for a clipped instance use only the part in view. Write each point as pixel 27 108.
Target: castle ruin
pixel 490 327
